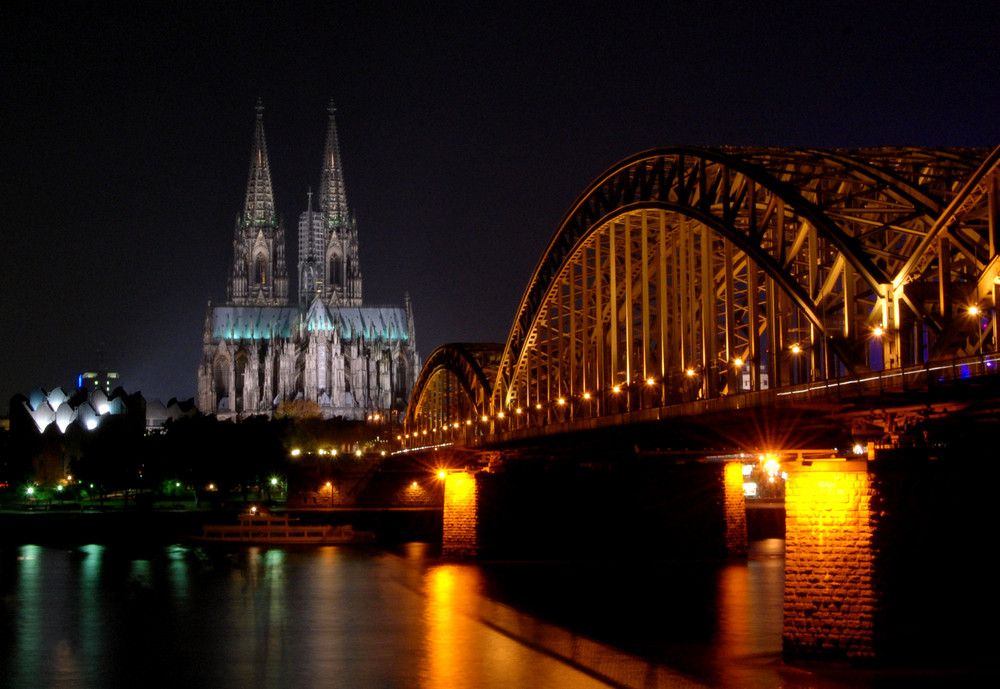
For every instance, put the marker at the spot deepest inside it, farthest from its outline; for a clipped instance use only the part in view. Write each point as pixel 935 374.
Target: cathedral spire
pixel 258 274
pixel 259 207
pixel 332 197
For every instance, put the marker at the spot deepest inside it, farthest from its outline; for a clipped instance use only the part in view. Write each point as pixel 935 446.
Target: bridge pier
pixel 882 563
pixel 542 508
pixel 460 535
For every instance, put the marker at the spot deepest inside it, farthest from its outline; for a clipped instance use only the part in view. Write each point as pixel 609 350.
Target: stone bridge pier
pixel 543 508
pixel 887 562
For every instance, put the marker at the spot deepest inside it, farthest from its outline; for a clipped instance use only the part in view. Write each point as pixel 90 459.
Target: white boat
pixel 260 527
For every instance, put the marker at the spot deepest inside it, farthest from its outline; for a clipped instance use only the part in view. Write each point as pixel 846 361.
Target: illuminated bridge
pixel 690 280
pixel 698 303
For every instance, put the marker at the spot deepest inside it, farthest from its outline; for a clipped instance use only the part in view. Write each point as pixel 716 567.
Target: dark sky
pixel 466 133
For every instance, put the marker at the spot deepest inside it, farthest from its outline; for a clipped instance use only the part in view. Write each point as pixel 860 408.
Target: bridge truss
pixel 692 273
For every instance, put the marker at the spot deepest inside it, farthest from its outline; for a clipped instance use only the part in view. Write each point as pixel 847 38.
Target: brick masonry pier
pixel 559 509
pixel 885 563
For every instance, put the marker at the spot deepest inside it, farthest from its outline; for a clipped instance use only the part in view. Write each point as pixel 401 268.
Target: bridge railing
pixel 874 384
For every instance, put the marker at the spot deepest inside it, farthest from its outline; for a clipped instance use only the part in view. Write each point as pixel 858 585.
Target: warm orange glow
pixel 586 395
pixel 562 400
pixel 500 415
pixel 650 381
pixel 485 419
pixel 973 310
pixel 738 363
pixel 796 349
pixel 517 411
pixel 771 466
pixel 877 331
pixel 442 474
pixel 690 372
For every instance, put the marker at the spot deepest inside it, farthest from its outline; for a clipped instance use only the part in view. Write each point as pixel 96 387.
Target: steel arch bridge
pixel 691 273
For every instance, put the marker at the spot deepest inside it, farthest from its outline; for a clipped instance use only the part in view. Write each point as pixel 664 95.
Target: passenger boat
pixel 260 527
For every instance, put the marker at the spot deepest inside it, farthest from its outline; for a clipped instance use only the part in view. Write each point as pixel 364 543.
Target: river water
pixel 104 616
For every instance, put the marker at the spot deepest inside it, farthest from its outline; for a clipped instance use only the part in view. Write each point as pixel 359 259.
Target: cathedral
pixel 261 348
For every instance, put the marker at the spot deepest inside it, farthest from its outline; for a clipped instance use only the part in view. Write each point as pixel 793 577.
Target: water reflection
pixel 100 616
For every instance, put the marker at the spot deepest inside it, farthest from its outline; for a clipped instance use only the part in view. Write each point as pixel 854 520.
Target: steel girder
pixel 454 385
pixel 689 259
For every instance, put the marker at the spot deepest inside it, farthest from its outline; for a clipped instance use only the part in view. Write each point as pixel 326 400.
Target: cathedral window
pixel 335 276
pixel 260 270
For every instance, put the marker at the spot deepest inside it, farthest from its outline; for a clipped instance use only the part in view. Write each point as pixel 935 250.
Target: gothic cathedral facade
pixel 261 349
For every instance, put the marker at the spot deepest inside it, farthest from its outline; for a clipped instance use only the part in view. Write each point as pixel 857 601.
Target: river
pixel 177 616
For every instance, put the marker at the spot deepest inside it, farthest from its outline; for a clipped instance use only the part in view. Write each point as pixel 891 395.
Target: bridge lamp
pixel 500 415
pixel 796 349
pixel 878 331
pixel 973 310
pixel 538 406
pixel 468 422
pixel 517 411
pixel 442 474
pixel 690 373
pixel 737 362
pixel 650 381
pixel 586 395
pixel 616 389
pixel 859 449
pixel 296 452
pixel 561 401
pixel 485 418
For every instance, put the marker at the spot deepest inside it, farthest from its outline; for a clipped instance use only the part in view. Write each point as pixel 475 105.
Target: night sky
pixel 466 133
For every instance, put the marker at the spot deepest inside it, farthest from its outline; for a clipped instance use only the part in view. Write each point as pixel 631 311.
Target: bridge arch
pixel 700 271
pixel 453 392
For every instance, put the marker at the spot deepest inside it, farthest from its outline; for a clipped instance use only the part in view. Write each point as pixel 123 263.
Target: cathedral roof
pixel 253 322
pixel 369 322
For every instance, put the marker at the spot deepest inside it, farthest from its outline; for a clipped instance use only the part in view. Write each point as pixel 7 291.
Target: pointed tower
pixel 312 254
pixel 342 271
pixel 258 275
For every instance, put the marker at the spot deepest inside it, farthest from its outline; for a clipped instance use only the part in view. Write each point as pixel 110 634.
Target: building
pixel 326 347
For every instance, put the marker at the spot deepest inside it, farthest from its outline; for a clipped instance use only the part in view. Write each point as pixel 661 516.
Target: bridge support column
pixel 884 561
pixel 830 602
pixel 460 538
pixel 736 510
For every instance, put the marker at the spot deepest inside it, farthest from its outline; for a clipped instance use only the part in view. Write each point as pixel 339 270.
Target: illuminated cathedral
pixel 261 348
